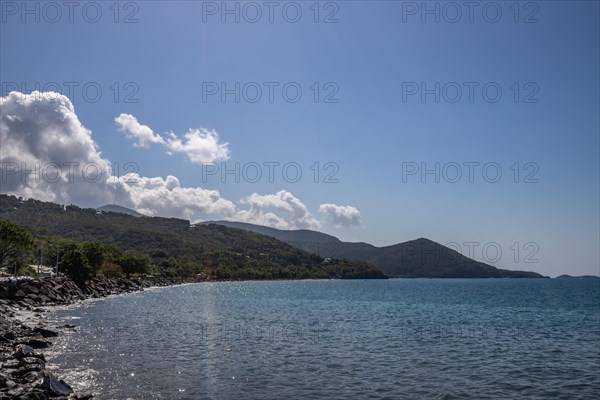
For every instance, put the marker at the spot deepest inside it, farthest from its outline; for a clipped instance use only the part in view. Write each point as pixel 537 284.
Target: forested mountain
pixel 420 258
pixel 176 246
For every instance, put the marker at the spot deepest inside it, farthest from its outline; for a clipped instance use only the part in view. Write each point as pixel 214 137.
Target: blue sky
pixel 366 58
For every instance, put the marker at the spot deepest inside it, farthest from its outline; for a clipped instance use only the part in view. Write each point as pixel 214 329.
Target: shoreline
pixel 25 333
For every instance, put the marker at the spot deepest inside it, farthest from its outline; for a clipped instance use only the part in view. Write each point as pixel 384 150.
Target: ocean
pixel 337 339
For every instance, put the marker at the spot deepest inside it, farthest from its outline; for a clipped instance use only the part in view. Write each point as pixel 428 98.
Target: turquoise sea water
pixel 392 339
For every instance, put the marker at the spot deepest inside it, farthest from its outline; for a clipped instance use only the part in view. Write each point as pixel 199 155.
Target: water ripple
pixel 418 339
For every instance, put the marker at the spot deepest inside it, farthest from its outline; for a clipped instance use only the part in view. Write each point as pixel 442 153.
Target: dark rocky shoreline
pixel 23 373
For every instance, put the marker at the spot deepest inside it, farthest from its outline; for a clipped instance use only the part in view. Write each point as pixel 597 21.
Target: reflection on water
pixel 338 340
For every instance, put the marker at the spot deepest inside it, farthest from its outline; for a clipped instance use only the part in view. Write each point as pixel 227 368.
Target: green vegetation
pixel 94 254
pixel 75 264
pixel 15 244
pixel 88 242
pixel 111 270
pixel 25 270
pixel 420 258
pixel 134 262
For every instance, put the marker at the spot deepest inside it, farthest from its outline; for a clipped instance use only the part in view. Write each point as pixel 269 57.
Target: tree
pixel 111 253
pixel 15 243
pixel 74 264
pixel 94 252
pixel 134 262
pixel 111 270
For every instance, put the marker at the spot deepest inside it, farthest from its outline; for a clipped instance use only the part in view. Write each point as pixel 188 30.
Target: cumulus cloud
pixel 296 214
pixel 340 216
pixel 167 198
pixel 46 153
pixel 199 145
pixel 133 129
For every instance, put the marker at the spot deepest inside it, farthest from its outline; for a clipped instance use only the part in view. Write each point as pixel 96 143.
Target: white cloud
pixel 41 133
pixel 340 216
pixel 296 214
pixel 133 129
pixel 167 198
pixel 199 145
pixel 47 154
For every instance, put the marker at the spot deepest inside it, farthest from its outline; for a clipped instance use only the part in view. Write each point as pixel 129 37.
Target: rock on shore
pixel 23 373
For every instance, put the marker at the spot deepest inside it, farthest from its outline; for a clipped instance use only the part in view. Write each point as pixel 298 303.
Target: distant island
pixel 565 276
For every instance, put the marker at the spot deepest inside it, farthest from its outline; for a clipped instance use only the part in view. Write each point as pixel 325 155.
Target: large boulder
pixel 56 387
pixel 31 289
pixel 38 343
pixel 33 297
pixel 23 351
pixel 30 373
pixel 55 297
pixel 44 299
pixel 45 332
pixel 33 361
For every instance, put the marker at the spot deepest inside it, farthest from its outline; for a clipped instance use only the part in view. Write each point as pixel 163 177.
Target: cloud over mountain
pixel 340 216
pixel 296 214
pixel 46 153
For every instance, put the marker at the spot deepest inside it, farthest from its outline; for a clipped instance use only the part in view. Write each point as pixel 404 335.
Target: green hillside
pixel 420 258
pixel 174 245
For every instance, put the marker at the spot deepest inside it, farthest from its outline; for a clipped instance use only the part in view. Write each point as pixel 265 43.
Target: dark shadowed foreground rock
pixel 55 386
pixel 46 333
pixel 24 350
